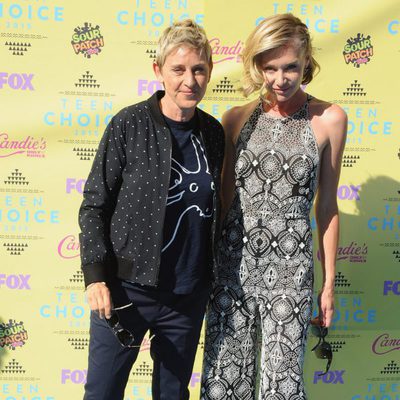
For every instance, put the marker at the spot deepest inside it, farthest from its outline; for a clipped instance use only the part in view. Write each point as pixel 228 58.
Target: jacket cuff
pixel 95 272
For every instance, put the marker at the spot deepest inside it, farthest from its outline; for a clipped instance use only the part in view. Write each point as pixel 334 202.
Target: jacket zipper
pixel 214 223
pixel 165 206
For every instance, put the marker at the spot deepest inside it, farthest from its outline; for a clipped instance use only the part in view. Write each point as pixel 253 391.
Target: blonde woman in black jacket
pixel 148 223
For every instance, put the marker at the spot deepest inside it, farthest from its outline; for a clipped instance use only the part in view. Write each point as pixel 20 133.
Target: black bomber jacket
pixel 122 213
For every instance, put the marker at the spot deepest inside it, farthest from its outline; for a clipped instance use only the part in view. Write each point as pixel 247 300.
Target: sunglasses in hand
pixel 124 336
pixel 322 349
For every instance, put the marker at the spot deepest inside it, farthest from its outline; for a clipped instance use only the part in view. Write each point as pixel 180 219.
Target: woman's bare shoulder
pixel 328 112
pixel 234 119
pixel 331 119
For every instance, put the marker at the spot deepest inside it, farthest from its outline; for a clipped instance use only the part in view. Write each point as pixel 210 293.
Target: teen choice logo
pixel 358 50
pixel 87 40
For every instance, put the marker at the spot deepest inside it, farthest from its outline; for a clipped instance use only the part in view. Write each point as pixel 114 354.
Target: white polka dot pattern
pixel 121 216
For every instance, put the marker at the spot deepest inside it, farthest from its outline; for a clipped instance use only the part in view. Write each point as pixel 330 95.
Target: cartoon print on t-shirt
pixel 183 183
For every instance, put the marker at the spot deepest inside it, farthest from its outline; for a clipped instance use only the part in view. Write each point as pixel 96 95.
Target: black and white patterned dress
pixel 262 303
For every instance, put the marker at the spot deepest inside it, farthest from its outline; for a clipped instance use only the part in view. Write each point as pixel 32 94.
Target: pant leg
pixel 285 319
pixel 173 349
pixel 230 354
pixel 109 362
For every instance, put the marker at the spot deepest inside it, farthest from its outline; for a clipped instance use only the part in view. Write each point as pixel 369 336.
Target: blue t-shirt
pixel 186 252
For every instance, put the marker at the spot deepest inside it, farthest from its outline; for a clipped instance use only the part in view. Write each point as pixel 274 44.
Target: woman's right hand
pixel 99 299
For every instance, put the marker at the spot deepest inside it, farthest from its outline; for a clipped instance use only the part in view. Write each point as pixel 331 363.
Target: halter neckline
pixel 304 106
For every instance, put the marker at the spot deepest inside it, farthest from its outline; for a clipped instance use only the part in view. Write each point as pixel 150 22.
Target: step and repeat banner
pixel 67 67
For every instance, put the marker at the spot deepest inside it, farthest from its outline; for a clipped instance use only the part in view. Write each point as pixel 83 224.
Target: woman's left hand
pixel 326 300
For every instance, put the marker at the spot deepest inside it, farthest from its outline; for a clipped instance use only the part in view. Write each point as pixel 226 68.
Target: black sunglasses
pixel 322 349
pixel 124 336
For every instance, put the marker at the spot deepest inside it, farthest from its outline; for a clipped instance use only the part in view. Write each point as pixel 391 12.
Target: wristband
pixel 93 283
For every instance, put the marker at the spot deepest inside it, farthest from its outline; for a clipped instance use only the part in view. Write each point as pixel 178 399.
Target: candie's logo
pixel 353 253
pixel 358 50
pixel 30 146
pixel 384 344
pixel 68 247
pixel 87 40
pixel 225 52
pixel 13 334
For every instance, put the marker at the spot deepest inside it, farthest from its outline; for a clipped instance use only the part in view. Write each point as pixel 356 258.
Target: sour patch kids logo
pixel 87 40
pixel 12 334
pixel 358 50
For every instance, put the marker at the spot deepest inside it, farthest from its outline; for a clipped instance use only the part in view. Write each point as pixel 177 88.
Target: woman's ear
pixel 308 61
pixel 158 72
pixel 210 70
pixel 307 66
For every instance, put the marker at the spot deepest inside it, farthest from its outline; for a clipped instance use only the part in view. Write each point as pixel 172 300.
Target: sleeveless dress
pixel 261 304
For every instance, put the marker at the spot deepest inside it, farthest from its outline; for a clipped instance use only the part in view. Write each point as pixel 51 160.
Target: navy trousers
pixel 175 320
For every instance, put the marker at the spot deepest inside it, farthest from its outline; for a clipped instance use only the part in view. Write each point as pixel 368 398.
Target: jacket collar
pixel 155 110
pixel 154 103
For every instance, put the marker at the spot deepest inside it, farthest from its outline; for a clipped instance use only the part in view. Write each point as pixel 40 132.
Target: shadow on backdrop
pixel 368 254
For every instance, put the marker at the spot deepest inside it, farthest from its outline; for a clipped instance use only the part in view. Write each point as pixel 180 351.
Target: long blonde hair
pixel 273 32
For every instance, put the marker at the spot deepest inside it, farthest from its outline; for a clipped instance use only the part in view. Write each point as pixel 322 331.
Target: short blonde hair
pixel 273 32
pixel 187 33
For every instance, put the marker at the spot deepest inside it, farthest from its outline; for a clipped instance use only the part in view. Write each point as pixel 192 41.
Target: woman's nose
pixel 190 79
pixel 280 78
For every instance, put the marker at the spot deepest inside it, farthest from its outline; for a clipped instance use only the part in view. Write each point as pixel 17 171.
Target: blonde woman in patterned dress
pixel 280 149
